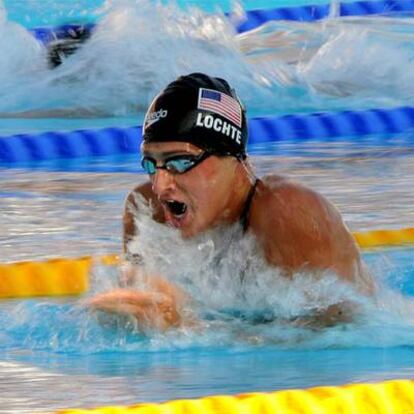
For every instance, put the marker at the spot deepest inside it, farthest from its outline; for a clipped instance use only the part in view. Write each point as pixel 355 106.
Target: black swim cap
pixel 201 110
pixel 67 43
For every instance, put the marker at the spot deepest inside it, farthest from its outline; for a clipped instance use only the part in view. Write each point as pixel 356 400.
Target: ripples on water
pixel 72 214
pixel 44 209
pixel 282 66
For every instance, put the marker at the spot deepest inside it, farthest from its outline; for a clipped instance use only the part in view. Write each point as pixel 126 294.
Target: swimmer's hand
pixel 160 307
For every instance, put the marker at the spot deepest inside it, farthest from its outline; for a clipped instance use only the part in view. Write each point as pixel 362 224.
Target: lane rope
pixel 396 396
pixel 45 278
pixel 384 238
pixel 309 13
pixel 258 17
pixel 383 124
pixel 54 277
pixel 65 276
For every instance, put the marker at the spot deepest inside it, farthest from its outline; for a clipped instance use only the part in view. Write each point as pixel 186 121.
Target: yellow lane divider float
pixel 385 238
pixel 71 276
pixel 55 277
pixel 390 397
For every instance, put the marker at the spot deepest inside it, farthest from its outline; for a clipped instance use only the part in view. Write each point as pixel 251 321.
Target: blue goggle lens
pixel 148 165
pixel 175 165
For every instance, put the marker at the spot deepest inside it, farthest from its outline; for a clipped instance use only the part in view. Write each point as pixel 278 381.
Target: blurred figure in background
pixel 194 151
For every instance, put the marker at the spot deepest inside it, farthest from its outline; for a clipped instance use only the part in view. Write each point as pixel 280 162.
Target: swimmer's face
pixel 198 199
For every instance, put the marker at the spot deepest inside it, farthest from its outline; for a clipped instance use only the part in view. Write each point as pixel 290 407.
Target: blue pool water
pixel 55 353
pixel 31 14
pixel 282 67
pixel 50 344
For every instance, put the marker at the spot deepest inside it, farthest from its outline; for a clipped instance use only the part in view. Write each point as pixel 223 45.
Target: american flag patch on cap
pixel 221 104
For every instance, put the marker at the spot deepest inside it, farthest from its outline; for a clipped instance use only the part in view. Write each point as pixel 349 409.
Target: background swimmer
pixel 67 44
pixel 280 67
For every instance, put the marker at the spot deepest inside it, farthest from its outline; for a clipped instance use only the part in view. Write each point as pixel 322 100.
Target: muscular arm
pixel 151 299
pixel 301 230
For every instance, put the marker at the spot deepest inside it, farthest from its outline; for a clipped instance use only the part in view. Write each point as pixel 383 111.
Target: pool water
pixel 121 377
pixel 54 355
pixel 50 204
pixel 57 354
pixel 50 344
pixel 282 67
pixel 31 14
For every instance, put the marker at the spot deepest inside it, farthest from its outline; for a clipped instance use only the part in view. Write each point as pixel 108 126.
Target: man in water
pixel 194 151
pixel 67 43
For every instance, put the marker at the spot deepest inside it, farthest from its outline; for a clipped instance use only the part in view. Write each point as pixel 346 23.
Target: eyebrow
pixel 165 154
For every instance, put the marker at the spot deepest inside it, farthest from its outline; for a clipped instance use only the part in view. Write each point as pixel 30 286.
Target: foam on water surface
pixel 246 338
pixel 279 67
pixel 237 301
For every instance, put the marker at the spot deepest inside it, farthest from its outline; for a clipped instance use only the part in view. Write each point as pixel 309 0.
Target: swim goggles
pixel 178 164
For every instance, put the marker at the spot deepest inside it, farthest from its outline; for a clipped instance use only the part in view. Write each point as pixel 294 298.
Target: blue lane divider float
pixel 255 18
pixel 49 34
pixel 70 144
pixel 112 141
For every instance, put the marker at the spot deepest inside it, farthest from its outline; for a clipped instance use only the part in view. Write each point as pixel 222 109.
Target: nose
pixel 162 181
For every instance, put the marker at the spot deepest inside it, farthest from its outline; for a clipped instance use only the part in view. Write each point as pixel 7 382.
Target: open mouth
pixel 176 208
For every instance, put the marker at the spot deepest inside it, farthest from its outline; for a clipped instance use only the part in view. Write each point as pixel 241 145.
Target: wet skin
pixel 211 191
pixel 297 228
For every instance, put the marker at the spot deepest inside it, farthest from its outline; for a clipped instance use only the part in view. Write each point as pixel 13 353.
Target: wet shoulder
pixel 280 200
pixel 276 189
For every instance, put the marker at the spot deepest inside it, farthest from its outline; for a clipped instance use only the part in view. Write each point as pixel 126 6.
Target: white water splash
pixel 3 14
pixel 126 61
pixel 137 48
pixel 245 300
pixel 23 60
pixel 354 60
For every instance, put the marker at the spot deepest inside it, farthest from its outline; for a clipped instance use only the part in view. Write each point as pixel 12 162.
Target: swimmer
pixel 58 50
pixel 67 44
pixel 194 152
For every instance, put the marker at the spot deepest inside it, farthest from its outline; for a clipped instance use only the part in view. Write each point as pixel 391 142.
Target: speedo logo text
pixel 154 117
